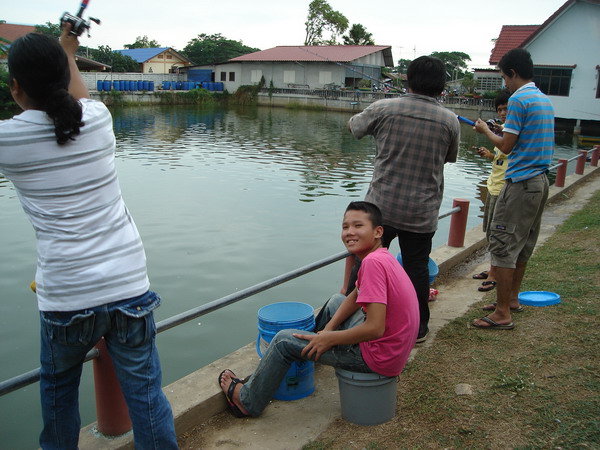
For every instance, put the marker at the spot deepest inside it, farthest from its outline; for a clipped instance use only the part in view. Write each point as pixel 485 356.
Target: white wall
pixel 573 39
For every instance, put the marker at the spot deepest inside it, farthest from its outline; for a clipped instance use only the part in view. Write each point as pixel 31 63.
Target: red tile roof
pixel 511 36
pixel 11 31
pixel 333 53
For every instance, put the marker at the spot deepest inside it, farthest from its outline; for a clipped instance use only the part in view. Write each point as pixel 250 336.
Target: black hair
pixel 502 98
pixel 41 67
pixel 426 75
pixel 518 61
pixel 371 209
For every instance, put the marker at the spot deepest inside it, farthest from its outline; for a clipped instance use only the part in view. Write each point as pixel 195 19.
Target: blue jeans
pixel 284 349
pixel 129 331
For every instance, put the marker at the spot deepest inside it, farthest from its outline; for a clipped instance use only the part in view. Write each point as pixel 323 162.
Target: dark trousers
pixel 415 249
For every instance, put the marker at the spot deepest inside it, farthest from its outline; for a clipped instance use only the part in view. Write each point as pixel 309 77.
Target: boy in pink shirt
pixel 373 329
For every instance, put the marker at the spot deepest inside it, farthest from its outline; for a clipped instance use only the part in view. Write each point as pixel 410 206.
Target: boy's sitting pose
pixel 373 329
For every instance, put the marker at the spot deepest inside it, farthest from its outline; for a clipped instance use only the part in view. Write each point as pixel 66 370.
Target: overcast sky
pixel 412 28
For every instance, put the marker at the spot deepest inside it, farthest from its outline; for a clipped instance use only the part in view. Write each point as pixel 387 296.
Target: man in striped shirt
pixel 528 139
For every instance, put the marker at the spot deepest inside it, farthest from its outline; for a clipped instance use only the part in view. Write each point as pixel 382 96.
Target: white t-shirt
pixel 89 249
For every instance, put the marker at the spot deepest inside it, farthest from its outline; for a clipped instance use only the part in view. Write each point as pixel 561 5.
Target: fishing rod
pixel 78 23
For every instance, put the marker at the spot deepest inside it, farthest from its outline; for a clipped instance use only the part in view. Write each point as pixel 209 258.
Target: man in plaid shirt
pixel 415 136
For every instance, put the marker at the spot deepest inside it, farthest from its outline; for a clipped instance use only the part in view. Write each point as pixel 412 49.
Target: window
pixel 289 76
pixel 231 76
pixel 255 76
pixel 489 83
pixel 223 76
pixel 325 77
pixel 553 81
pixel 161 56
pixel 169 56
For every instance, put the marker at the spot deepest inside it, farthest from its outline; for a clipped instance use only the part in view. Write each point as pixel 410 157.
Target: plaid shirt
pixel 415 136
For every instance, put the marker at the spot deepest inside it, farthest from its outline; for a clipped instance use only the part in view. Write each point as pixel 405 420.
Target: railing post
pixel 112 415
pixel 595 155
pixel 458 223
pixel 581 162
pixel 561 173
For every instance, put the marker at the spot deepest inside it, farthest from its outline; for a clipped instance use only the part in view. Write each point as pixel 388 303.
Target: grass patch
pixel 537 386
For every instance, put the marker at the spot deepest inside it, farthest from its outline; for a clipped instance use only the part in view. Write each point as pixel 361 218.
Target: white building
pixel 311 67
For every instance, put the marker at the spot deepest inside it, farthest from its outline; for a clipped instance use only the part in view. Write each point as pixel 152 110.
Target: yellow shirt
pixel 495 181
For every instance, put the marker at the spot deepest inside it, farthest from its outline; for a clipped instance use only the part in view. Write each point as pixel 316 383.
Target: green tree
pixel 142 42
pixel 4 44
pixel 322 17
pixel 358 35
pixel 118 62
pixel 214 48
pixel 469 82
pixel 402 66
pixel 455 62
pixel 49 28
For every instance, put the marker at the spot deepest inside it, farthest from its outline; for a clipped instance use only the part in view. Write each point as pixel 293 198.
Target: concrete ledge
pixel 197 397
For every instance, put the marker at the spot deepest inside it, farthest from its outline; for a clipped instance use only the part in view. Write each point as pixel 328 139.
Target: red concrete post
pixel 458 223
pixel 111 410
pixel 561 173
pixel 581 162
pixel 595 155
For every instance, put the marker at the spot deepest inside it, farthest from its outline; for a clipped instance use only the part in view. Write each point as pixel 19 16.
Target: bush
pixel 6 99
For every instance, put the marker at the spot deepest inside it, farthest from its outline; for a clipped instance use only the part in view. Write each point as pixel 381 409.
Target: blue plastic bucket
pixel 434 270
pixel 299 381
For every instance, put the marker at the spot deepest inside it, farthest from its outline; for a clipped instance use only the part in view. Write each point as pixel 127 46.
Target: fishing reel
pixel 78 23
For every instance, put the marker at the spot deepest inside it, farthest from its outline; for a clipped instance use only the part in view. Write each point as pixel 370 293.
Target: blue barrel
pixel 220 86
pixel 133 85
pixel 140 85
pixel 124 85
pixel 299 381
pixel 173 85
pixel 166 85
pixel 117 85
pixel 145 85
pixel 106 85
pixel 99 85
pixel 434 270
pixel 179 85
pixel 150 86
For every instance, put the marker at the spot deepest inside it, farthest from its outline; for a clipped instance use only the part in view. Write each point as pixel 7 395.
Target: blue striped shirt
pixel 531 117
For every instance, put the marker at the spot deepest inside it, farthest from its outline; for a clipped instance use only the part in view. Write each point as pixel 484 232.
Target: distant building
pixel 565 51
pixel 157 60
pixel 12 31
pixel 310 67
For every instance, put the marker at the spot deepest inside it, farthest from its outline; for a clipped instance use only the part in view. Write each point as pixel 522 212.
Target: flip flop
pixel 492 307
pixel 493 325
pixel 487 286
pixel 231 406
pixel 481 275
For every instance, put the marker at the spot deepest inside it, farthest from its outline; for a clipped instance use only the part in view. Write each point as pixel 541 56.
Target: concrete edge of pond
pixel 196 398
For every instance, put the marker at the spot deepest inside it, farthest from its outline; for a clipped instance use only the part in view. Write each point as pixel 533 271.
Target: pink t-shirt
pixel 381 279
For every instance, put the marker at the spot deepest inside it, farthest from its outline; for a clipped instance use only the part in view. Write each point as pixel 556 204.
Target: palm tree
pixel 357 35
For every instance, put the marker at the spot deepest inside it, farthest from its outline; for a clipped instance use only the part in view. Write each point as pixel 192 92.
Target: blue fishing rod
pixel 78 23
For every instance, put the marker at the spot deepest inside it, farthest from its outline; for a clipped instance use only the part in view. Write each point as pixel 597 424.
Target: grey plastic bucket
pixel 366 398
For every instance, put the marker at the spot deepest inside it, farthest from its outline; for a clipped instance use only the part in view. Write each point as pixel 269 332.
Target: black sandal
pixel 231 406
pixel 481 275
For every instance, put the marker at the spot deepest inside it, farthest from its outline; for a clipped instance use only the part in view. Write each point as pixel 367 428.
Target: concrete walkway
pixel 199 405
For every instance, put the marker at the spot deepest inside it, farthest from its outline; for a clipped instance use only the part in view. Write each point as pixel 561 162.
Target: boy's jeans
pixel 284 349
pixel 129 330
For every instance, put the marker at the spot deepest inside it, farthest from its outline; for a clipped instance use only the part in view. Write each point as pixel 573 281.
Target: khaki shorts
pixel 488 213
pixel 516 223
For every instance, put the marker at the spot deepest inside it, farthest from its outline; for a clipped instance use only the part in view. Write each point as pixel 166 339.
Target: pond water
pixel 224 199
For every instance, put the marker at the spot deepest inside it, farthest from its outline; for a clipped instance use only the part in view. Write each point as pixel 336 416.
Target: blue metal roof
pixel 142 55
